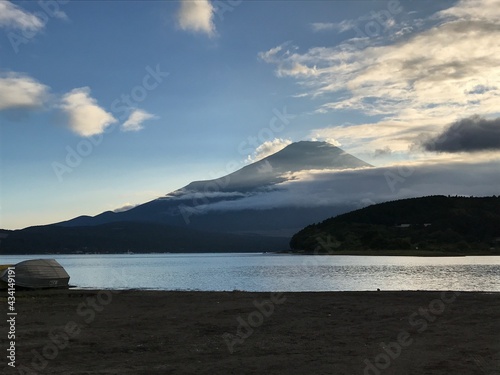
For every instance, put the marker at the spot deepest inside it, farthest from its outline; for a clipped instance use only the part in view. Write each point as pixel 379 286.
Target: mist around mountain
pixel 463 225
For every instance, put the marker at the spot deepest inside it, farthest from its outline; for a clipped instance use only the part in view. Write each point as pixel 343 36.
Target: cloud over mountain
pixel 268 148
pixel 355 187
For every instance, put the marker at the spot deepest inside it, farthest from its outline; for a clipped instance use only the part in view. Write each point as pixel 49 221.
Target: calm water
pixel 272 272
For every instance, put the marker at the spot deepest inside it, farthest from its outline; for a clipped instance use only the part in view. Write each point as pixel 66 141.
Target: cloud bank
pixel 359 187
pixel 85 116
pixel 196 16
pixel 467 135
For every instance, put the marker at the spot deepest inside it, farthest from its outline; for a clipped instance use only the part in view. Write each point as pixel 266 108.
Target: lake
pixel 277 272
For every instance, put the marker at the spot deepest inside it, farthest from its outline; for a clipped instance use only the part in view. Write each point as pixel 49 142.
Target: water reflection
pixel 272 272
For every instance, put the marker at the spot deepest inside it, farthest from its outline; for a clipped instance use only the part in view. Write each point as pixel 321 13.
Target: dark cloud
pixel 481 89
pixel 467 135
pixel 382 152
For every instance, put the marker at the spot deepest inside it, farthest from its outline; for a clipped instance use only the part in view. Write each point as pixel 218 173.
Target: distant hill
pixel 135 237
pixel 435 223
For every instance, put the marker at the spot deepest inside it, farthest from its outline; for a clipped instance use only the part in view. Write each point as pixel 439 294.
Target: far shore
pixel 410 253
pixel 160 332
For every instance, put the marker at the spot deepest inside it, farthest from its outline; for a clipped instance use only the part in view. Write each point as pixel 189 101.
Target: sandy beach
pixel 151 332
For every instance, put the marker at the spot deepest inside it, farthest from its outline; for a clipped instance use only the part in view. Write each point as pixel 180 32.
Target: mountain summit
pixel 299 156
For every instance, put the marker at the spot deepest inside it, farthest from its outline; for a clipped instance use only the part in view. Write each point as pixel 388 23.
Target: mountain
pixel 227 204
pixel 434 223
pixel 250 209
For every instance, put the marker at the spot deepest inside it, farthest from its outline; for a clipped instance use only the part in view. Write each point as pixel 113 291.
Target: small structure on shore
pixel 36 274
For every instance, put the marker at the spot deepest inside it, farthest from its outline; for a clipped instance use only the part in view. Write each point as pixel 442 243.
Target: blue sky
pixel 105 104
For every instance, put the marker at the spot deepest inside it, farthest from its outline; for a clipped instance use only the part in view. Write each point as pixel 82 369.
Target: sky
pixel 108 104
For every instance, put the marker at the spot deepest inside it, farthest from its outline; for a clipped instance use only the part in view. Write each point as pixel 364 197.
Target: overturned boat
pixel 36 274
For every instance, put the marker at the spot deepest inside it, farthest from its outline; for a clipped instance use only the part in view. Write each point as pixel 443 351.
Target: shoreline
pixel 411 253
pixel 186 332
pixel 147 290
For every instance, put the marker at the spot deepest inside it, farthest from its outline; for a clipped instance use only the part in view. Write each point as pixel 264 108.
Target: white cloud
pixel 21 91
pixel 196 16
pixel 357 187
pixel 127 206
pixel 268 148
pixel 11 16
pixel 271 55
pixel 416 84
pixel 337 26
pixel 189 195
pixel 298 70
pixel 86 118
pixel 474 10
pixel 135 120
pixel 332 141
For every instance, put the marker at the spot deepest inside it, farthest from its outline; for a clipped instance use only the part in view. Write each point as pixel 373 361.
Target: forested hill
pixel 435 223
